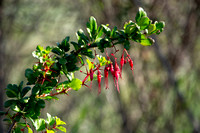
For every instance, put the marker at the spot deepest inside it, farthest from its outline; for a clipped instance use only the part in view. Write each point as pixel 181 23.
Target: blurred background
pixel 163 95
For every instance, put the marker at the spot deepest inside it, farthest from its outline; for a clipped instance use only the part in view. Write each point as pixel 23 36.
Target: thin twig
pixel 11 126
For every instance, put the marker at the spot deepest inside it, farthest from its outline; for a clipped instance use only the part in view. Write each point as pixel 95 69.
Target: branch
pixel 11 126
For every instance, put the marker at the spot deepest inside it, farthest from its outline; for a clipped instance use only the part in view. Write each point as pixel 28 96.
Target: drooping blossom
pixel 99 80
pixel 106 70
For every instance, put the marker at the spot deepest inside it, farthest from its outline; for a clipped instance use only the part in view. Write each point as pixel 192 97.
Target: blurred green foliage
pixel 164 92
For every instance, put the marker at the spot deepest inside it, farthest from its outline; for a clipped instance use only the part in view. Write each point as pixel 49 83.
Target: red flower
pixel 106 69
pixel 99 80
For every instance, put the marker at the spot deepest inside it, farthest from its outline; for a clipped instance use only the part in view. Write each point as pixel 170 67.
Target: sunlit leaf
pixel 39 124
pixel 30 130
pixel 61 128
pixel 59 121
pixel 76 84
pixel 50 119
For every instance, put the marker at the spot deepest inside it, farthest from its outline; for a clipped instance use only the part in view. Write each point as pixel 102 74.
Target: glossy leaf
pixel 35 90
pixel 17 130
pixel 147 42
pixel 151 29
pixel 29 130
pixel 39 48
pixel 50 131
pixel 90 64
pixel 12 90
pixel 144 23
pixel 24 100
pixel 102 60
pixel 50 120
pixel 8 103
pixel 159 27
pixel 81 36
pixel 20 86
pixel 39 124
pixel 62 61
pixel 50 98
pixel 15 108
pixel 59 121
pixel 21 124
pixel 127 45
pixel 40 103
pixel 61 128
pixel 113 32
pixel 57 51
pixel 106 30
pixel 87 52
pixel 141 13
pixel 65 44
pixel 92 27
pixel 25 90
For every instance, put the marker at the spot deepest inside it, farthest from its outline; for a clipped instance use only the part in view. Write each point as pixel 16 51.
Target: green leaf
pixel 59 121
pixel 151 29
pixel 76 45
pixel 131 28
pixel 147 41
pixel 144 23
pixel 92 27
pixel 17 118
pixel 21 124
pixel 2 113
pixel 159 26
pixel 81 59
pixel 35 90
pixel 25 90
pixel 17 130
pixel 102 60
pixel 113 32
pixel 50 97
pixel 50 131
pixel 70 76
pixel 57 51
pixel 39 48
pixel 106 30
pixel 15 108
pixel 61 128
pixel 65 44
pixel 62 61
pixel 12 90
pixel 87 52
pixel 81 36
pixel 8 120
pixel 8 103
pixel 141 13
pixel 90 64
pixel 143 40
pixel 104 43
pixel 40 103
pixel 20 86
pixel 24 100
pixel 39 124
pixel 75 84
pixel 127 45
pixel 11 94
pixel 50 120
pixel 30 130
pixel 31 76
pixel 99 33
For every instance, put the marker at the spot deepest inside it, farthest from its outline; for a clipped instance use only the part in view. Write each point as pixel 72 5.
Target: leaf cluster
pixel 57 61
